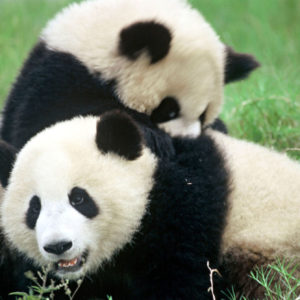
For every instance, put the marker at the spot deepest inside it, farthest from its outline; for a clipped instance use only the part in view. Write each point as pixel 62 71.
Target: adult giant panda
pixel 152 223
pixel 151 58
pixel 88 197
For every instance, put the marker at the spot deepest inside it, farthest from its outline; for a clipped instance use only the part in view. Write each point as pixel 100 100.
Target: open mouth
pixel 72 265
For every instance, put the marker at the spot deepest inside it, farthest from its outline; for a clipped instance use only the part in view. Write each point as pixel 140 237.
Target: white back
pixel 264 203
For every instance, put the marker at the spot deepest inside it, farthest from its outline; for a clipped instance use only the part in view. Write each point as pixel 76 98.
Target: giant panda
pixel 89 197
pixel 158 60
pixel 150 224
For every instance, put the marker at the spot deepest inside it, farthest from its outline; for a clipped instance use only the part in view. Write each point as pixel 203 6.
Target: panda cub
pixel 141 227
pixel 158 60
pixel 89 197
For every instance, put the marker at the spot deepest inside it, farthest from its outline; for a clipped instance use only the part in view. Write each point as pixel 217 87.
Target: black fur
pixel 82 202
pixel 12 269
pixel 33 212
pixel 52 86
pixel 238 65
pixel 167 110
pixel 117 133
pixel 192 208
pixel 151 36
pixel 55 86
pixel 219 125
pixel 7 159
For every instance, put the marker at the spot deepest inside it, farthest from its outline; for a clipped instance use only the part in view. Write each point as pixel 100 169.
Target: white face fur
pixel 87 204
pixel 192 72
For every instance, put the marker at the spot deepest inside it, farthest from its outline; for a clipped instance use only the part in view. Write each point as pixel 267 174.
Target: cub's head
pixel 76 192
pixel 164 58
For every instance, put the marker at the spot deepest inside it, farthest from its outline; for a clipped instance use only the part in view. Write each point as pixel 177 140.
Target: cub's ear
pixel 153 37
pixel 7 158
pixel 238 65
pixel 118 133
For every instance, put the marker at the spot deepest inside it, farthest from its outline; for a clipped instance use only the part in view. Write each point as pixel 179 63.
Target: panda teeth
pixel 72 265
pixel 67 264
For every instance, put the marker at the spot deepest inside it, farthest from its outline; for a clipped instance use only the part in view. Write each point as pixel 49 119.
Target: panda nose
pixel 58 248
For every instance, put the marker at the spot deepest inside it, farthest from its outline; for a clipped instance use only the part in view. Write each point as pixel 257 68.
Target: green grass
pixel 264 108
pixel 279 282
pixel 20 24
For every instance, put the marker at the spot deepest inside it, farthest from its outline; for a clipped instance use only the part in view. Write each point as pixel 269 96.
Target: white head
pixel 77 192
pixel 166 60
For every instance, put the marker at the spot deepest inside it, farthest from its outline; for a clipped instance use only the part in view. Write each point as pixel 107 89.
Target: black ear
pixel 219 125
pixel 118 133
pixel 7 159
pixel 238 65
pixel 150 36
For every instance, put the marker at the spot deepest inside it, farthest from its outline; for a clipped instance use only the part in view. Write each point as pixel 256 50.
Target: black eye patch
pixel 83 203
pixel 33 212
pixel 167 110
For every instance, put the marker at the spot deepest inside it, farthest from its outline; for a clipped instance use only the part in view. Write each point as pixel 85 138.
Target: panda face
pixel 150 55
pixel 76 195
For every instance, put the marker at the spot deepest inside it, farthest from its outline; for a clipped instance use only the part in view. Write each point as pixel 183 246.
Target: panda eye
pixel 166 111
pixel 83 202
pixel 36 209
pixel 77 199
pixel 33 212
pixel 35 205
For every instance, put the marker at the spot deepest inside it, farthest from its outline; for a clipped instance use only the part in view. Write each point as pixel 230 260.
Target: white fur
pixel 264 203
pixel 192 72
pixel 49 166
pixel 180 127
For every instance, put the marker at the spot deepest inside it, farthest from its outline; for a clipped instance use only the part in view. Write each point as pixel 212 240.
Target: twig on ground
pixel 211 274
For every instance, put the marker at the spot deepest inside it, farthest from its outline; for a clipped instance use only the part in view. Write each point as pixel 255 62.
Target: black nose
pixel 58 248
